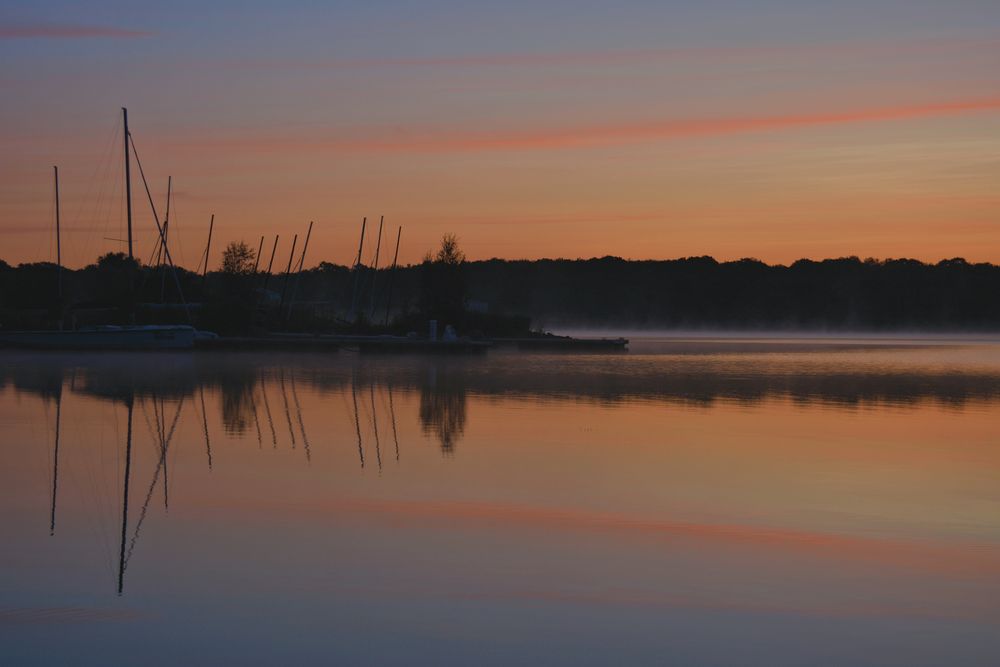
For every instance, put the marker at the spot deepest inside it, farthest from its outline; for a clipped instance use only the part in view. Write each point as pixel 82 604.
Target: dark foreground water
pixel 703 502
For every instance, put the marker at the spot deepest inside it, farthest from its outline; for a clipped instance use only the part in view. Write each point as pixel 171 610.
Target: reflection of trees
pixel 443 410
pixel 237 401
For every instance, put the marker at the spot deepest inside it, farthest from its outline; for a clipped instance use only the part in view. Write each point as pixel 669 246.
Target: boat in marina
pixel 110 336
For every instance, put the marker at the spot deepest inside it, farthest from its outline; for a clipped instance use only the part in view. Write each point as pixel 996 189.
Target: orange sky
pixel 776 137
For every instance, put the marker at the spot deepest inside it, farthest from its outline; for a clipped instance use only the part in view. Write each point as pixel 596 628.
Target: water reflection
pixel 822 507
pixel 253 388
pixel 259 399
pixel 443 409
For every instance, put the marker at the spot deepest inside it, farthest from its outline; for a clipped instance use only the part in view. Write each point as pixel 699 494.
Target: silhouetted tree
pixel 442 283
pixel 230 292
pixel 238 258
pixel 449 252
pixel 116 261
pixel 115 274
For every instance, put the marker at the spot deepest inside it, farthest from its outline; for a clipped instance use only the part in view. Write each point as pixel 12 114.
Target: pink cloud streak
pixel 415 141
pixel 608 135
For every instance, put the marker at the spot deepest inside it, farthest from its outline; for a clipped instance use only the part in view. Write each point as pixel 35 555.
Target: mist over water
pixel 821 500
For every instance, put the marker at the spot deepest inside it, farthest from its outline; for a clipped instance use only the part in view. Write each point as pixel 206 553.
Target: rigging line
pixel 288 414
pixel 91 186
pixel 392 414
pixel 142 515
pixel 168 438
pixel 256 419
pixel 204 420
pixel 160 464
pixel 357 422
pixel 149 424
pixel 378 447
pixel 159 229
pixel 267 410
pixel 302 426
pixel 154 256
pixel 181 254
pixel 160 424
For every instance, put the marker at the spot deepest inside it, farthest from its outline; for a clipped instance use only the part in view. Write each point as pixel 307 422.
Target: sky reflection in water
pixel 695 502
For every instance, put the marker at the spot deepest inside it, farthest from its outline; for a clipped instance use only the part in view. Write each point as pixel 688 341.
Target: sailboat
pixel 109 337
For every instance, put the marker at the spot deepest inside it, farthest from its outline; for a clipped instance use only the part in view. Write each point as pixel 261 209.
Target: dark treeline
pixel 699 292
pixel 691 293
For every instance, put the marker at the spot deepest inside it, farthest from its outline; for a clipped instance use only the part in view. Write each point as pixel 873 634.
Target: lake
pixel 704 501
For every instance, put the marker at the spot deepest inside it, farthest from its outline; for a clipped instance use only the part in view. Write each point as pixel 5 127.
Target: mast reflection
pixel 331 396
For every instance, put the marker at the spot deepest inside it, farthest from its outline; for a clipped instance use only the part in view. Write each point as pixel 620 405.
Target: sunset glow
pixel 651 132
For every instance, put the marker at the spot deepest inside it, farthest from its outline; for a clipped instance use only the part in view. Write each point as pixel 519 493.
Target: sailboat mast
pixel 58 235
pixel 128 181
pixel 357 269
pixel 267 276
pixel 392 275
pixel 288 270
pixel 256 263
pixel 166 218
pixel 208 248
pixel 298 274
pixel 162 255
pixel 378 247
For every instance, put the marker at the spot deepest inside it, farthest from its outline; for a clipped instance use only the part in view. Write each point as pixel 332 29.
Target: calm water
pixel 690 502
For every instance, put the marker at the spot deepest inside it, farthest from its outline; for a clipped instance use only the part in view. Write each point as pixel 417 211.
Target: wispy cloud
pixel 411 140
pixel 66 31
pixel 607 135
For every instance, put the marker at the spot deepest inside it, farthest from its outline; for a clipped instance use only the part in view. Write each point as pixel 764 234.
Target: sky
pixel 777 129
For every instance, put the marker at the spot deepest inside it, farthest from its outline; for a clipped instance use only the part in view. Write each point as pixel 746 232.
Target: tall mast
pixel 298 274
pixel 378 247
pixel 267 276
pixel 58 236
pixel 392 276
pixel 166 218
pixel 162 256
pixel 128 182
pixel 256 263
pixel 288 270
pixel 208 247
pixel 357 269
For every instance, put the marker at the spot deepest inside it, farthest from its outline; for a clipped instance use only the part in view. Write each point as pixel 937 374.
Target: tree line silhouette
pixel 503 295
